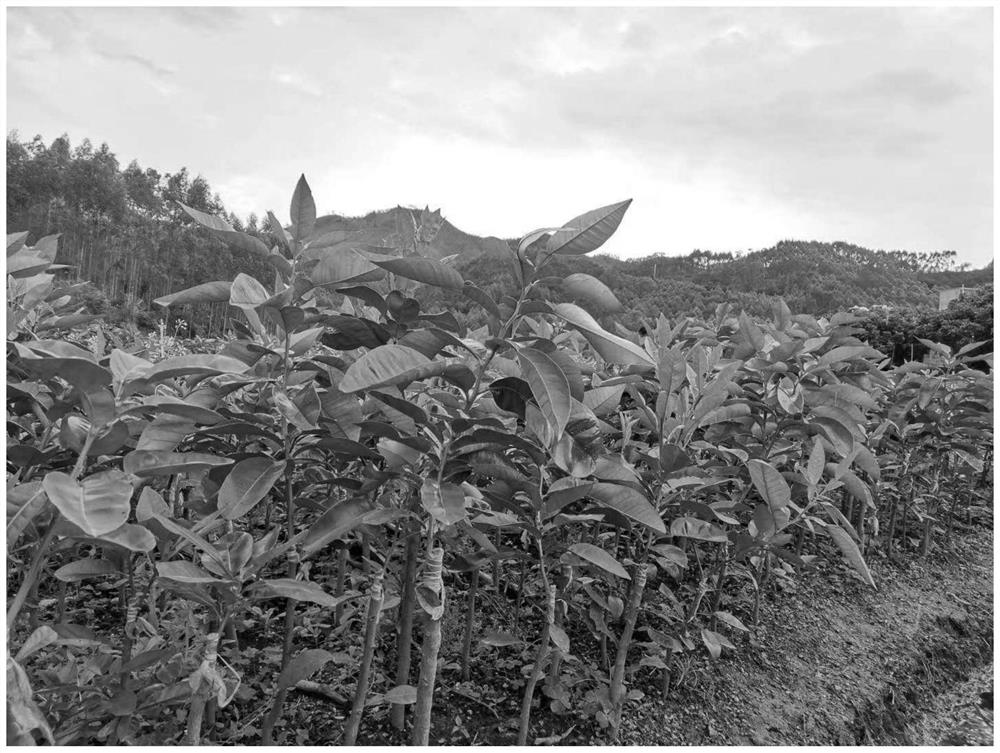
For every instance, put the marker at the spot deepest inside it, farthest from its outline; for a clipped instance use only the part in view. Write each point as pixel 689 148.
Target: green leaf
pixel 382 366
pixel 200 364
pixel 589 231
pixel 98 505
pixel 344 266
pixel 207 292
pixel 559 638
pixel 42 636
pixel 444 503
pixel 422 269
pixel 851 552
pixel 305 664
pixel 224 231
pixel 247 484
pixel 334 524
pixel 729 412
pixel 770 484
pixel 402 695
pixel 693 528
pixel 550 388
pixel 246 292
pixel 24 503
pixel 85 375
pixel 150 503
pixel 144 463
pixel 302 210
pixel 714 642
pixel 23 715
pixel 480 296
pixel 15 241
pixel 133 537
pixel 299 590
pixel 278 230
pixel 612 348
pixel 592 290
pixel 599 557
pixel 183 571
pixel 85 568
pixel 604 400
pixel 816 464
pixel 496 638
pixel 629 502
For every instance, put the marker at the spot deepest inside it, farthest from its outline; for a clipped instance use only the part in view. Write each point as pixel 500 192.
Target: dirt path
pixel 838 663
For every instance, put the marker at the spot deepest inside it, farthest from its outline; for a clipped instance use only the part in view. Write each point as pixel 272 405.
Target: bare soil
pixel 838 663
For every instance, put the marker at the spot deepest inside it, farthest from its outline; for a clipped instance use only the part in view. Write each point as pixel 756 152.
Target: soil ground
pixel 838 663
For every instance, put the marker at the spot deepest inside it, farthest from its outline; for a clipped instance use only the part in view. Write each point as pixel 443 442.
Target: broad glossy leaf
pixel 246 292
pixel 98 505
pixel 133 537
pixel 385 365
pixel 41 637
pixel 198 363
pixel 579 285
pixel 183 571
pixel 770 484
pixel 24 503
pixel 444 503
pixel 207 292
pixel 335 523
pixel 714 642
pixel 303 665
pixel 851 552
pixel 612 348
pixel 247 484
pixel 423 269
pixel 343 266
pixel 225 232
pixel 302 210
pixel 550 388
pixel 85 568
pixel 630 503
pixel 299 590
pixel 604 400
pixel 496 638
pixel 401 694
pixel 158 463
pixel 816 464
pixel 588 231
pixel 597 556
pixel 693 528
pixel 83 374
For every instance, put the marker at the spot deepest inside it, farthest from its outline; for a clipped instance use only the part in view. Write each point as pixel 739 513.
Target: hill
pixel 122 230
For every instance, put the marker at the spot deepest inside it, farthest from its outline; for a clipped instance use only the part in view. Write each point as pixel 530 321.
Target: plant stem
pixel 404 639
pixel 470 621
pixel 617 690
pixel 536 668
pixel 267 727
pixel 432 579
pixel 375 599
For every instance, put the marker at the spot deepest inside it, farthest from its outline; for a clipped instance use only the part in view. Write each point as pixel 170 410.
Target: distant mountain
pixel 394 228
pixel 812 277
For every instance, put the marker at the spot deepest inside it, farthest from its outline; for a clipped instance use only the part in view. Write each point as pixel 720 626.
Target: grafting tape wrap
pixel 430 587
pixel 206 679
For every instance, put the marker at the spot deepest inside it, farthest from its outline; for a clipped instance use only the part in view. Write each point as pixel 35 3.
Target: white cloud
pixel 731 127
pixel 297 81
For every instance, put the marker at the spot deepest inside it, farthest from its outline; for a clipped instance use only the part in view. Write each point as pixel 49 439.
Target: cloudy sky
pixel 731 128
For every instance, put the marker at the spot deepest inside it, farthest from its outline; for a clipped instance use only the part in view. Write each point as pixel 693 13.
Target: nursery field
pixel 356 521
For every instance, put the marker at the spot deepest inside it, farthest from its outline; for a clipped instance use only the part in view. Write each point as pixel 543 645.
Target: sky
pixel 730 128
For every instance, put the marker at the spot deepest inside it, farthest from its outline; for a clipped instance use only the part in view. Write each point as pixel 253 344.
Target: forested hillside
pixel 123 230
